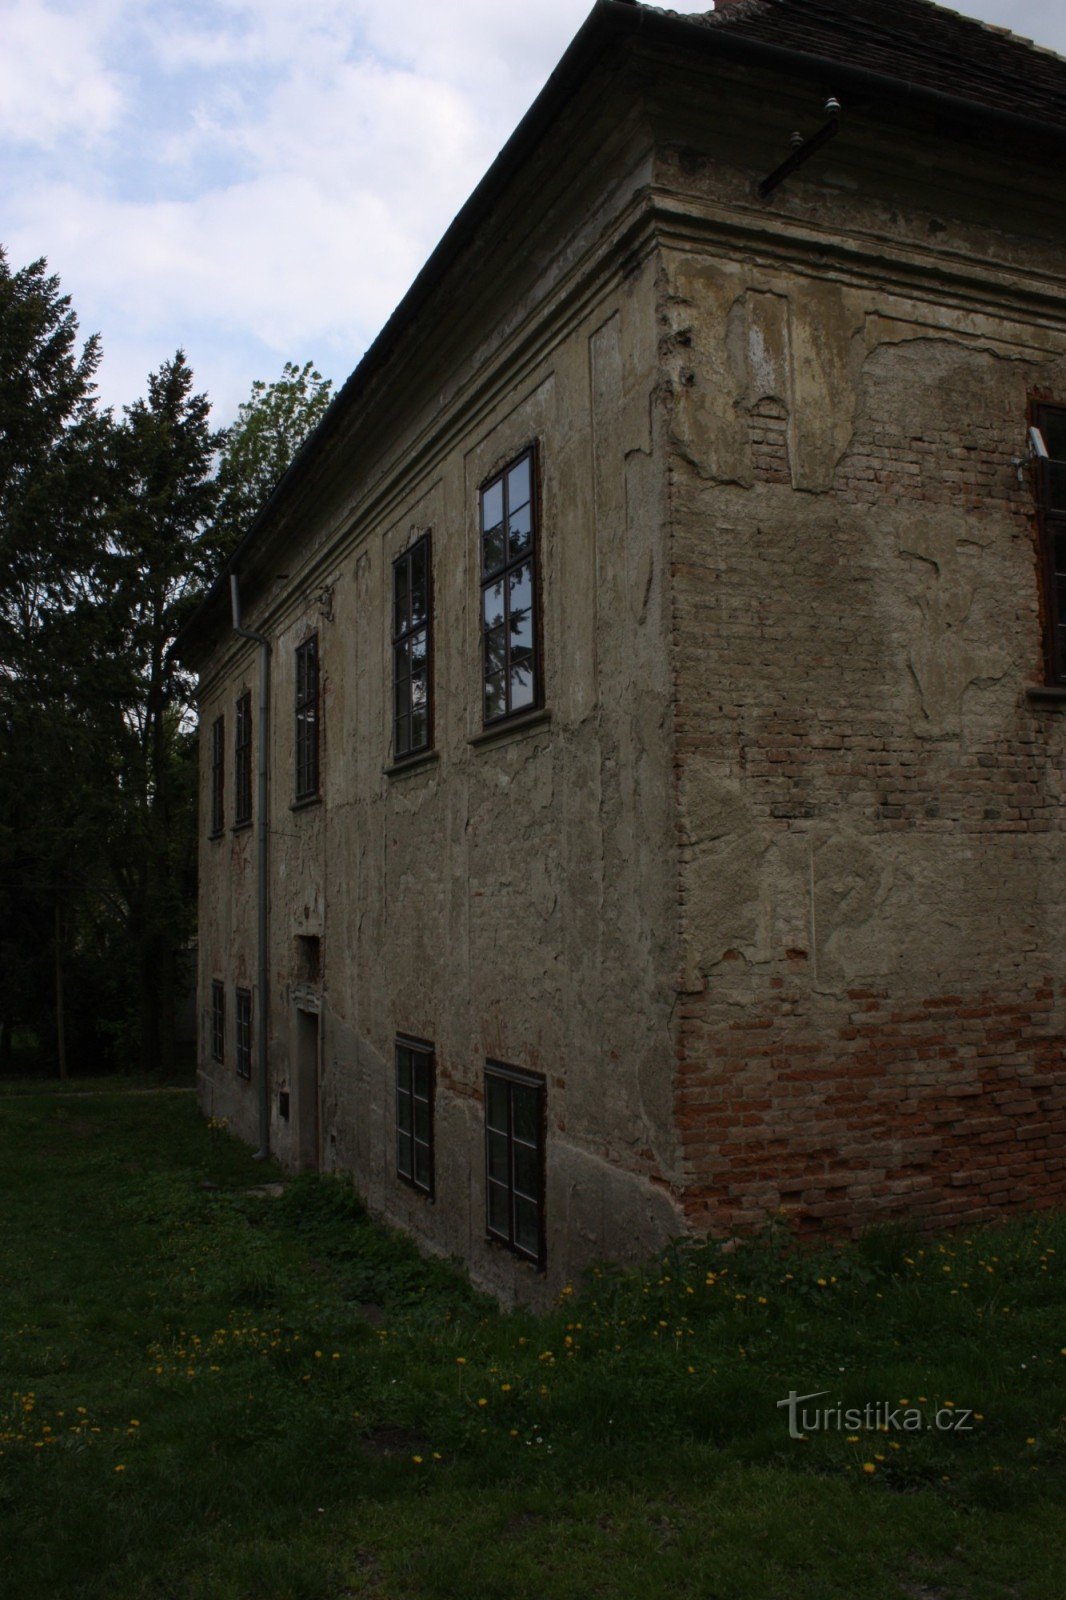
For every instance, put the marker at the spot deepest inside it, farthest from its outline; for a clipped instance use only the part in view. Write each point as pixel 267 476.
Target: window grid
pixel 218 775
pixel 244 1033
pixel 242 762
pixel 514 1160
pixel 412 650
pixel 510 605
pixel 1051 499
pixel 415 1082
pixel 218 1021
pixel 307 719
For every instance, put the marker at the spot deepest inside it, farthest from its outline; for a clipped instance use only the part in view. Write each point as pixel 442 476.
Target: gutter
pixel 262 836
pixel 610 21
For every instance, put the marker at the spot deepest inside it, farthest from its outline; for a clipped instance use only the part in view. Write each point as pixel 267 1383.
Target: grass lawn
pixel 207 1393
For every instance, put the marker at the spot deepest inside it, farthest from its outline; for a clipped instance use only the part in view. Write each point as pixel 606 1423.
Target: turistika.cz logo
pixel 877 1416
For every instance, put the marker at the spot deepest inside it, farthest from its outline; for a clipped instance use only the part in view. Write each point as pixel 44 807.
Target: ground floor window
pixel 218 1021
pixel 244 1033
pixel 414 1112
pixel 514 1159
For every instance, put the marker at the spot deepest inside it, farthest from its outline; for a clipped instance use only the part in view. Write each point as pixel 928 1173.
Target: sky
pixel 259 181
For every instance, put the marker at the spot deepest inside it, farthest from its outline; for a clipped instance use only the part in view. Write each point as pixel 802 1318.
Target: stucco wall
pixel 511 899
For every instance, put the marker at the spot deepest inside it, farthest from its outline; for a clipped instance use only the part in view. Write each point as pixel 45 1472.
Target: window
pixel 1051 498
pixel 242 763
pixel 218 775
pixel 307 719
pixel 412 664
pixel 218 1021
pixel 244 1033
pixel 414 1112
pixel 514 1159
pixel 509 602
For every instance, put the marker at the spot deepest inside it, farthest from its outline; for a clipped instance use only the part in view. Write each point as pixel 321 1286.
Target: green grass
pixel 210 1395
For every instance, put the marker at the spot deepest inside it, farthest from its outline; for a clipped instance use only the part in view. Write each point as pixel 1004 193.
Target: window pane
pixel 521 585
pixel 527 1225
pixel 495 648
pixel 422 1167
pixel 1058 551
pixel 495 696
pixel 521 525
pixel 496 1098
pixel 499 1167
pixel 420 1064
pixel 521 628
pixel 527 1113
pixel 403 695
pixel 404 1155
pixel 419 585
pixel 522 685
pixel 1053 427
pixel 492 506
pixel 399 620
pixel 499 1210
pixel 403 1068
pixel 492 605
pixel 418 650
pixel 493 552
pixel 526 1171
pixel 403 1112
pixel 422 1120
pixel 518 484
pixel 1057 486
pixel 419 735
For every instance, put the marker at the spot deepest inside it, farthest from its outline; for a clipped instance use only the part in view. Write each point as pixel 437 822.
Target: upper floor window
pixel 244 1033
pixel 414 1112
pixel 307 718
pixel 511 669
pixel 242 762
pixel 218 775
pixel 412 660
pixel 218 1021
pixel 514 1159
pixel 1050 426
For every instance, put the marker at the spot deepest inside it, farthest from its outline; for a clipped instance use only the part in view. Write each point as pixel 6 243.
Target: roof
pixel 913 40
pixel 892 51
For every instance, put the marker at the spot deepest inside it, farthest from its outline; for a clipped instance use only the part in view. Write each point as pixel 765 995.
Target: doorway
pixel 307 1091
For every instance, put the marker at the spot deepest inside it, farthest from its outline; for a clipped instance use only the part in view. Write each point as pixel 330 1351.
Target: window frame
pixel 1051 528
pixel 501 573
pixel 242 761
pixel 306 684
pixel 517 1078
pixel 245 1032
pixel 401 637
pixel 218 776
pixel 414 1047
pixel 218 1021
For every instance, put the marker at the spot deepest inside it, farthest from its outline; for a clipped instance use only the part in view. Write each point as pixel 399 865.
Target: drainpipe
pixel 261 868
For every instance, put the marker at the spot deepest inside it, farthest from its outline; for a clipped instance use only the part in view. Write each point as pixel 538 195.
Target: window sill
pixel 219 833
pixel 308 800
pixel 415 763
pixel 499 732
pixel 1047 694
pixel 243 827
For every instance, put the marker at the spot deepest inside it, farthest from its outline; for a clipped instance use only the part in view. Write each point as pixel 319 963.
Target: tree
pixel 54 480
pixel 157 564
pixel 271 425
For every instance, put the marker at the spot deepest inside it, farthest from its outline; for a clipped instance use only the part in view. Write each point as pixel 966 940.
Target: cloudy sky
pixel 260 180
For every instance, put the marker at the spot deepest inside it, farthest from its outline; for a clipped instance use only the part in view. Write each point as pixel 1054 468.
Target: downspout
pixel 261 868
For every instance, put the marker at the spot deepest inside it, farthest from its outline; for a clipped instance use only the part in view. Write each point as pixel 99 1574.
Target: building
pixel 665 636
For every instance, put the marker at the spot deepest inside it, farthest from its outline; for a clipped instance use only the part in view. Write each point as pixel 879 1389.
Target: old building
pixel 665 642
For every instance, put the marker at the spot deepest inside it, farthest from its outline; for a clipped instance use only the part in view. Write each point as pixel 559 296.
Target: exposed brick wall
pixel 886 1039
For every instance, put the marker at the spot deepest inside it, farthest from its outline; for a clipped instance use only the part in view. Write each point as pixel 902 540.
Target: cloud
pixel 54 81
